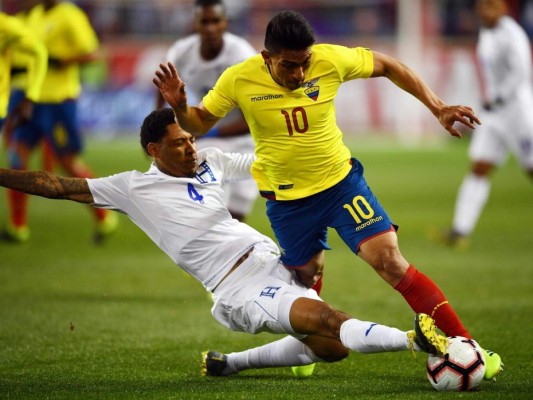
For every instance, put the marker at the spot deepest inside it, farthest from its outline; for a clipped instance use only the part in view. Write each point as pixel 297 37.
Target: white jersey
pixel 504 53
pixel 185 217
pixel 201 75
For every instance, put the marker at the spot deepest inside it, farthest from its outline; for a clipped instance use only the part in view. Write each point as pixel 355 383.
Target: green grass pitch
pixel 122 322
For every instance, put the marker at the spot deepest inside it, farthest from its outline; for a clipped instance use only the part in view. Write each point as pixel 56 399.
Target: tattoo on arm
pixel 46 184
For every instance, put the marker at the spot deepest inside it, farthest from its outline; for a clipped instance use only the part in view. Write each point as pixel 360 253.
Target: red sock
pixel 18 204
pixel 318 285
pixel 48 156
pixel 424 296
pixel 99 213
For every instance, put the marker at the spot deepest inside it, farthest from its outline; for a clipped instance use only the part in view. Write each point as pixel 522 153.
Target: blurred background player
pixel 504 55
pixel 16 38
pixel 71 42
pixel 19 79
pixel 201 58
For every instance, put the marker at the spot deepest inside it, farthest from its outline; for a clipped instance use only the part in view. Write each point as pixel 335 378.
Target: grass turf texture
pixel 122 322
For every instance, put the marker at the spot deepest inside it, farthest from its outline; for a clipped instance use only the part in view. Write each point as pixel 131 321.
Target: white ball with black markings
pixel 461 369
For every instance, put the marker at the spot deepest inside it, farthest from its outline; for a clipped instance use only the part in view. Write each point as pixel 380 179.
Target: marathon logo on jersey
pixel 310 89
pixel 266 97
pixel 286 186
pixel 270 291
pixel 204 173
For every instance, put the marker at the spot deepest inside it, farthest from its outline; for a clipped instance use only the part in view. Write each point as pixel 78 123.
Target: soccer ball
pixel 461 369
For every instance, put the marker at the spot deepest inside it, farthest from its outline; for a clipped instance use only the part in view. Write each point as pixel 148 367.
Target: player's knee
pixel 391 261
pixel 395 266
pixel 481 169
pixel 391 266
pixel 331 321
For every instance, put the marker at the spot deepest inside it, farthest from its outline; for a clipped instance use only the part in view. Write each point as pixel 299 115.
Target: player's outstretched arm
pixel 196 120
pixel 408 80
pixel 46 184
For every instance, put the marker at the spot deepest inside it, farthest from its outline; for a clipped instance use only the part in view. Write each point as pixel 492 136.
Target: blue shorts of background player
pixel 45 119
pixel 15 98
pixel 349 207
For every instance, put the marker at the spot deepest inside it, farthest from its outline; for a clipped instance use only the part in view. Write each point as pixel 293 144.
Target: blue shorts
pixel 349 207
pixel 15 98
pixel 56 123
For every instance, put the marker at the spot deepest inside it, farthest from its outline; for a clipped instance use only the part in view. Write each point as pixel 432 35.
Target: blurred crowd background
pixel 436 37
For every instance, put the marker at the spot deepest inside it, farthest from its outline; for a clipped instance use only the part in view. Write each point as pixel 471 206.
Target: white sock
pixel 472 197
pixel 369 337
pixel 286 352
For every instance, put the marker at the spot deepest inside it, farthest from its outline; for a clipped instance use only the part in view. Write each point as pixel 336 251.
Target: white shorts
pixel 258 295
pixel 239 196
pixel 508 129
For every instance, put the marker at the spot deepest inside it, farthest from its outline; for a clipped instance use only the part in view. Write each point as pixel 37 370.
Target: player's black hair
pixel 288 30
pixel 154 127
pixel 209 3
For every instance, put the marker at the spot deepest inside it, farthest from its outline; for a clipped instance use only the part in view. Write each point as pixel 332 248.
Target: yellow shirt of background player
pixel 19 59
pixel 299 146
pixel 14 37
pixel 67 33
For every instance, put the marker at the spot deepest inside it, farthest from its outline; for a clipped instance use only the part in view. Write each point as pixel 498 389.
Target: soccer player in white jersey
pixel 179 204
pixel 201 58
pixel 504 53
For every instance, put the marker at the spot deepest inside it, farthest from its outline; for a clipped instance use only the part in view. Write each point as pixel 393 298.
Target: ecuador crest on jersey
pixel 310 89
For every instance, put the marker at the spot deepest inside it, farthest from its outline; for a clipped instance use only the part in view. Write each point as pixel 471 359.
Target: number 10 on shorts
pixel 359 209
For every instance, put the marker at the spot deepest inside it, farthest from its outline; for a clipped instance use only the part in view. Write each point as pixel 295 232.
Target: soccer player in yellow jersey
pixel 71 41
pixel 20 78
pixel 304 169
pixel 15 37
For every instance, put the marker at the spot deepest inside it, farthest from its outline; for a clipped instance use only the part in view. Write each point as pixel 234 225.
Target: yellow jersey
pixel 299 147
pixel 67 33
pixel 15 37
pixel 19 60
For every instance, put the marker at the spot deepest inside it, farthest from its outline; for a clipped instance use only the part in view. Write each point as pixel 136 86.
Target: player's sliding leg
pixel 285 352
pixel 331 334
